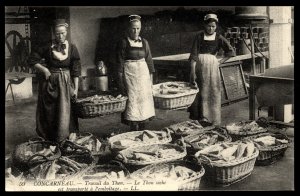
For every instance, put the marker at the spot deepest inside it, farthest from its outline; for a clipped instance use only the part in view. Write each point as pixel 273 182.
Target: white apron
pixel 207 104
pixel 140 104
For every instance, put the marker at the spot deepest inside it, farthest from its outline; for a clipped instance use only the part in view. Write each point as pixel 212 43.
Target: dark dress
pixel 55 118
pixel 207 104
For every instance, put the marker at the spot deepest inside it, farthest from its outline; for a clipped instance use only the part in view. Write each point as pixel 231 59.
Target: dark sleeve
pixel 120 55
pixel 37 55
pixel 228 49
pixel 148 57
pixel 75 69
pixel 195 51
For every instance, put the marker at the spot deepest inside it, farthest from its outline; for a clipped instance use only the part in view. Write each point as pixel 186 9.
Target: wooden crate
pixel 233 85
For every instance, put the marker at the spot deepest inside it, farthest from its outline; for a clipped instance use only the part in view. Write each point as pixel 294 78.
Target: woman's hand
pixel 192 78
pixel 43 70
pixel 193 72
pixel 47 73
pixel 75 93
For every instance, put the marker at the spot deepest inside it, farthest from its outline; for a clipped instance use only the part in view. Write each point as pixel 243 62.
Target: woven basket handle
pixel 263 122
pixel 181 143
pixel 191 159
pixel 121 157
pixel 168 132
pixel 75 146
pixel 118 163
pixel 51 158
pixel 201 156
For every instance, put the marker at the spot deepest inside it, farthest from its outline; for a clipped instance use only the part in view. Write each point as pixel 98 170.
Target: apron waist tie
pixel 139 60
pixel 61 71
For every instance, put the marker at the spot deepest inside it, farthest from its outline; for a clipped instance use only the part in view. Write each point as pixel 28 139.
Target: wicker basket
pixel 186 128
pixel 80 153
pixel 125 155
pixel 131 135
pixel 91 110
pixel 242 134
pixel 227 173
pixel 21 162
pixel 270 154
pixel 174 101
pixel 88 173
pixel 191 183
pixel 192 147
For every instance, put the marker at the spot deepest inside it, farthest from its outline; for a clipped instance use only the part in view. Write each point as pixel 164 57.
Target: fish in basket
pixel 174 95
pixel 99 105
pixel 58 169
pixel 271 146
pixel 138 138
pixel 185 128
pixel 184 174
pixel 239 130
pixel 113 170
pixel 211 136
pixel 82 147
pixel 229 162
pixel 151 154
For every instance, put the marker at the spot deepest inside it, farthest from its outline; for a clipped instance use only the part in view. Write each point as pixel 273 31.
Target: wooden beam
pixel 185 56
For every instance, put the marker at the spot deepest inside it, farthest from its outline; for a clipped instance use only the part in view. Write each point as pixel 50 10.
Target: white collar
pixel 134 43
pixel 59 55
pixel 210 37
pixel 139 39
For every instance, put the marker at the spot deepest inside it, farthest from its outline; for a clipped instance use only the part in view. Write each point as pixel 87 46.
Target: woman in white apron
pixel 135 67
pixel 205 72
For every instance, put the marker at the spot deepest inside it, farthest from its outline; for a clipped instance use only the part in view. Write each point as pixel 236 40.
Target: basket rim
pixel 245 133
pixel 196 175
pixel 115 138
pixel 157 160
pixel 269 148
pixel 186 132
pixel 124 98
pixel 208 130
pixel 158 95
pixel 18 156
pixel 233 162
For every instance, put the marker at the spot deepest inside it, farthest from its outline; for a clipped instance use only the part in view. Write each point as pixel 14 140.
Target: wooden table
pixel 255 82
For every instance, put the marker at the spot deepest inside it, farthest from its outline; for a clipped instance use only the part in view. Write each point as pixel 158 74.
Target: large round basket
pixel 174 101
pixel 240 134
pixel 227 173
pixel 163 138
pixel 91 110
pixel 270 154
pixel 126 156
pixel 191 140
pixel 93 172
pixel 190 183
pixel 186 128
pixel 22 161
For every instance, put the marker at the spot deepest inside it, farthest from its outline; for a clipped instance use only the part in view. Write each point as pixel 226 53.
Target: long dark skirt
pixel 54 116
